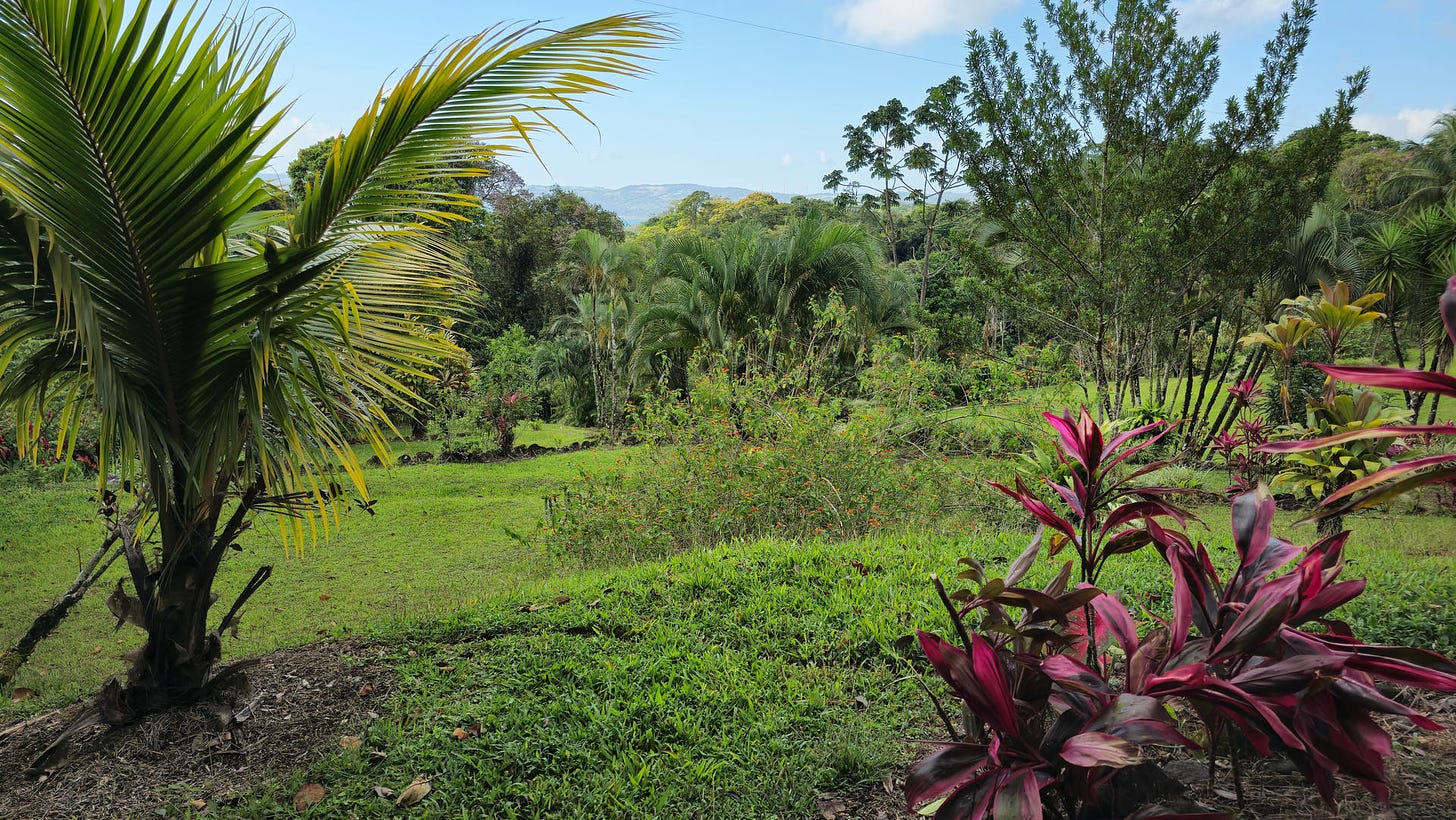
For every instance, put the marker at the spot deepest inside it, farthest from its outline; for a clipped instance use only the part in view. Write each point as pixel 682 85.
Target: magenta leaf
pixel 1391 431
pixel 943 772
pixel 978 678
pixel 1447 304
pixel 1395 378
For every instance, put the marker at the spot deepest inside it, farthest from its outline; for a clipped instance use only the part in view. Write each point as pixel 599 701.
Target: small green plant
pixel 1314 474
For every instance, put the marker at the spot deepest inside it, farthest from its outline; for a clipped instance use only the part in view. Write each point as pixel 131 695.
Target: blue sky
pixel 730 104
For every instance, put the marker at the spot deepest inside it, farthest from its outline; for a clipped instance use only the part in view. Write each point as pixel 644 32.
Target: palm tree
pixel 1430 176
pixel 607 270
pixel 592 321
pixel 700 293
pixel 1391 260
pixel 1326 248
pixel 808 259
pixel 233 354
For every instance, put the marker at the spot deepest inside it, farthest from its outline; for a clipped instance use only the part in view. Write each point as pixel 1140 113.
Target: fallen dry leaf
pixel 324 597
pixel 384 792
pixel 447 668
pixel 366 689
pixel 594 604
pixel 20 693
pixel 308 794
pixel 460 734
pixel 414 792
pixel 198 804
pixel 832 808
pixel 350 742
pixel 95 650
pixel 563 599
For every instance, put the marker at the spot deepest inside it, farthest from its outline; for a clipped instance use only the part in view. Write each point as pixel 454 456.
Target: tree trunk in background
pixel 1198 411
pixel 1252 367
pixel 1188 371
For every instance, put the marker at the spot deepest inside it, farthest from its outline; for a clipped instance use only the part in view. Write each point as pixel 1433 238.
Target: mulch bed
pixel 298 704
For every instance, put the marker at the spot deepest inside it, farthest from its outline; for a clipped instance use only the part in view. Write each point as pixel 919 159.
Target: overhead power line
pixel 792 33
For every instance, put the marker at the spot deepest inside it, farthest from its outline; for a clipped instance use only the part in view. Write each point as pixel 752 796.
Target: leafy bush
pixel 1315 474
pixel 1397 479
pixel 1056 713
pixel 510 368
pixel 988 381
pixel 1042 366
pixel 745 456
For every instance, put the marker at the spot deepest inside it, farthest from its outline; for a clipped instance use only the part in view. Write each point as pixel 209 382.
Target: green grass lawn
pixel 744 681
pixel 728 678
pixel 438 542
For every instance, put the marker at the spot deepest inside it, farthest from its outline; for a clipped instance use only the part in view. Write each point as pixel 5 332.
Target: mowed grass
pixel 437 542
pixel 750 680
pixel 746 680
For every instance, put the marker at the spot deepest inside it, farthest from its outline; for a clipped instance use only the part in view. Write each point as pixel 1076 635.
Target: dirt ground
pixel 299 702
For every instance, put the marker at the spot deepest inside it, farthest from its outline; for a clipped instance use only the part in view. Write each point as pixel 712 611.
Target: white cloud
pixel 1409 124
pixel 823 157
pixel 1204 16
pixel 787 160
pixel 897 22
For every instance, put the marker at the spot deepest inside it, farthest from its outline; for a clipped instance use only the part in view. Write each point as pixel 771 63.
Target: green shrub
pixel 746 456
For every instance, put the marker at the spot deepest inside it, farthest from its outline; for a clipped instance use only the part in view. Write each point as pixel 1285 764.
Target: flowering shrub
pixel 748 456
pixel 1056 714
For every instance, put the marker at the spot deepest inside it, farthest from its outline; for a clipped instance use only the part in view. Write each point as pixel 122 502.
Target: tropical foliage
pixel 1061 689
pixel 232 353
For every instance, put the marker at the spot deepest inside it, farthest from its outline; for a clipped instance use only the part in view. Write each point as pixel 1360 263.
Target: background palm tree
pixel 607 270
pixel 233 354
pixel 1430 176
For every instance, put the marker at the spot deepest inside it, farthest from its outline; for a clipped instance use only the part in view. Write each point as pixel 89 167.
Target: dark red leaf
pixel 1261 619
pixel 978 678
pixel 1288 675
pixel 943 772
pixel 1113 616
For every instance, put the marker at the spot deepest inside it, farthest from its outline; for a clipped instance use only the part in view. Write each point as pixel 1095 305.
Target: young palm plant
pixel 232 354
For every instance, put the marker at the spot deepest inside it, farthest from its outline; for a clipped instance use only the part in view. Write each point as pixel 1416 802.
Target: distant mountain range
pixel 636 203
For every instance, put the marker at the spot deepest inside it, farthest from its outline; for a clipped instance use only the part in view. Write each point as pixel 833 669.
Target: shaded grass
pixel 545 434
